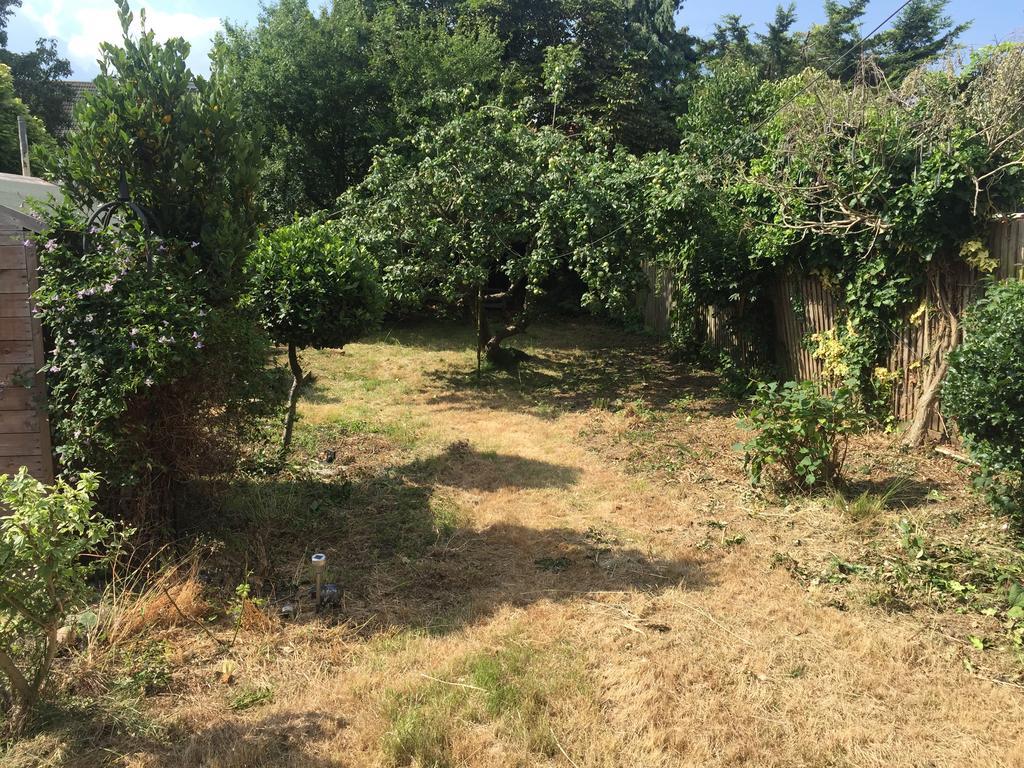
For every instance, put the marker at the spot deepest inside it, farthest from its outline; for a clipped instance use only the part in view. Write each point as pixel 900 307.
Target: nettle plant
pixel 803 433
pixel 312 287
pixel 51 543
pixel 984 391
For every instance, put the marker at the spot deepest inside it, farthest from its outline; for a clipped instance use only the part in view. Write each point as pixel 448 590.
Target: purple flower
pixel 195 244
pixel 93 230
pixel 133 346
pixel 54 369
pixel 51 245
pixel 108 287
pixel 199 345
pixel 166 340
pixel 148 382
pixel 89 318
pixel 134 332
pixel 26 243
pixel 195 334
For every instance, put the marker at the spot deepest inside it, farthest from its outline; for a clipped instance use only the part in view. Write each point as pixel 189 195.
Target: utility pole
pixel 26 168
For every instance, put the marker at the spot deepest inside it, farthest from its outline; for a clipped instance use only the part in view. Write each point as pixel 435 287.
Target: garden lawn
pixel 563 565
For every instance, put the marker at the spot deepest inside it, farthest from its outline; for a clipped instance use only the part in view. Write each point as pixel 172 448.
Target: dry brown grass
pixel 603 590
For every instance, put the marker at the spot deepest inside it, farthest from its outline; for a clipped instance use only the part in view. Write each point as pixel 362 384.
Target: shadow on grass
pixel 578 365
pixel 276 739
pixel 401 552
pixel 99 735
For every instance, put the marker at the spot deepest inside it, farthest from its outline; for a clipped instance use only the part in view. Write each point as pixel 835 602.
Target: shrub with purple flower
pixel 114 332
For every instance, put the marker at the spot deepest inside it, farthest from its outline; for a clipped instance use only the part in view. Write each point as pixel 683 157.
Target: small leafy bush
pixel 312 287
pixel 803 433
pixel 984 389
pixel 51 543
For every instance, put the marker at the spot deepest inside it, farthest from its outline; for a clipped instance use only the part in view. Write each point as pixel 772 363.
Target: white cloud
pixel 81 25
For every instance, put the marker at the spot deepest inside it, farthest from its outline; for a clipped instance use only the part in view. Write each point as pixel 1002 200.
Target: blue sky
pixel 80 25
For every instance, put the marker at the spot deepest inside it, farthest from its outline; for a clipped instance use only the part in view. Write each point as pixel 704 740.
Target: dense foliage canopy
pixel 488 209
pixel 11 108
pixel 154 369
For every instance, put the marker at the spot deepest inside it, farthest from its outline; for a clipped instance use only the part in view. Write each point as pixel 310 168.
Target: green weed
pixel 252 697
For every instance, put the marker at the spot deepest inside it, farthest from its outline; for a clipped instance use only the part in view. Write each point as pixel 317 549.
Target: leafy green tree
pixel 779 47
pixel 827 42
pixel 37 74
pixel 39 77
pixel 479 213
pixel 634 64
pixel 380 65
pixel 155 372
pixel 448 214
pixel 6 11
pixel 420 55
pixel 305 89
pixel 730 38
pixel 633 61
pixel 179 139
pixel 312 287
pixel 387 65
pixel 11 108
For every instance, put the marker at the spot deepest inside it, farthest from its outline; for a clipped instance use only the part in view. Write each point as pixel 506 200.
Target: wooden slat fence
pixel 803 305
pixel 24 424
pixel 656 302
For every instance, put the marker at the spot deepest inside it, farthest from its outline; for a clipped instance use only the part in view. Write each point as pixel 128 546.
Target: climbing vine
pixel 887 191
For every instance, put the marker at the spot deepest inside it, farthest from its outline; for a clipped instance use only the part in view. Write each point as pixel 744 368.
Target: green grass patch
pixel 512 687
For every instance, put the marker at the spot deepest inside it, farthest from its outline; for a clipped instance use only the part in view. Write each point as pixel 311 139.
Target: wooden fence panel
pixel 803 306
pixel 656 302
pixel 24 423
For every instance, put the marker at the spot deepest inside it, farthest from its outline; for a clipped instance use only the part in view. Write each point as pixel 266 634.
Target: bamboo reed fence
pixel 803 305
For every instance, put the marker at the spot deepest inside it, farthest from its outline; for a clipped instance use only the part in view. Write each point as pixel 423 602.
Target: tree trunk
pixel 947 340
pixel 493 343
pixel 19 684
pixel 918 429
pixel 515 318
pixel 293 396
